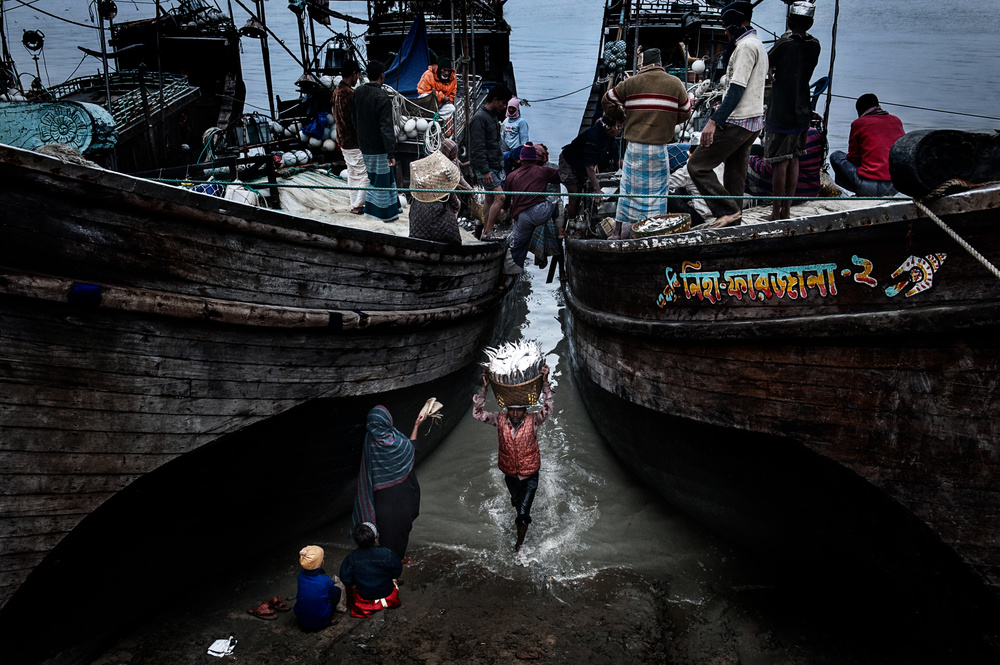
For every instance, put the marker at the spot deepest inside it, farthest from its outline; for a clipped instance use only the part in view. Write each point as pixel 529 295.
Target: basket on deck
pixel 521 394
pixel 672 222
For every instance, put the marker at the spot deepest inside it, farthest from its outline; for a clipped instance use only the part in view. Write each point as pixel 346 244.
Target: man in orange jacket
pixel 519 457
pixel 440 78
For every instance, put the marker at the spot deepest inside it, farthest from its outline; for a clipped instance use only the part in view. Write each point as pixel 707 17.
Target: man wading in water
pixel 519 458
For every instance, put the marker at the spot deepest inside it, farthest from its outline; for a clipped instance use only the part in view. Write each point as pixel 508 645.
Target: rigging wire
pixel 925 108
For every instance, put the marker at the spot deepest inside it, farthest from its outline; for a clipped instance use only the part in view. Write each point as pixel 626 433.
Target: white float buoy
pixel 329 145
pixel 698 66
pixel 422 124
pixel 410 125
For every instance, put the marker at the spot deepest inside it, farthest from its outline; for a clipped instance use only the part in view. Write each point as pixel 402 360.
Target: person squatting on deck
pixel 519 457
pixel 318 594
pixel 347 134
pixel 440 79
pixel 732 129
pixel 369 573
pixel 433 215
pixel 654 103
pixel 377 140
pixel 791 62
pixel 759 172
pixel 388 493
pixel 487 152
pixel 864 170
pixel 581 157
pixel 528 212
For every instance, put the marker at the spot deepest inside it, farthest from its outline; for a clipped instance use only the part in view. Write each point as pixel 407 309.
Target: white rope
pixel 957 238
pixel 432 137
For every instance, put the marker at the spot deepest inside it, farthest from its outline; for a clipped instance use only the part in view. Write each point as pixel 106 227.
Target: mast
pixel 465 76
pixel 833 57
pixel 266 56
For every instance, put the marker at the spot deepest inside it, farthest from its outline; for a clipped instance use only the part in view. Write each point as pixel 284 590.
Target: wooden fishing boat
pixel 181 372
pixel 683 31
pixel 821 389
pixel 173 76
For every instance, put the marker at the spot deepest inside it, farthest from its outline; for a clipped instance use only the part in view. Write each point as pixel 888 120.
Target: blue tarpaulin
pixel 411 62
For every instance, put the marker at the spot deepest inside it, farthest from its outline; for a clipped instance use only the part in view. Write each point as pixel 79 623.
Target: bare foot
pixel 726 220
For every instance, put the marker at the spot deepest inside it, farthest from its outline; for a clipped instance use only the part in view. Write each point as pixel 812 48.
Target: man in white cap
pixel 791 62
pixel 732 129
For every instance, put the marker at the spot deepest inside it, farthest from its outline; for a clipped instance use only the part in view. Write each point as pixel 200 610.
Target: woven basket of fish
pixel 515 373
pixel 672 222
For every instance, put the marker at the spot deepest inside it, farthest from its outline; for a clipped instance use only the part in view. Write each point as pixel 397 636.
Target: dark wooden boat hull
pixel 143 325
pixel 887 373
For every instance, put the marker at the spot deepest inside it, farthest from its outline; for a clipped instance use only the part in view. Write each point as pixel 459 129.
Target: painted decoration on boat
pixel 792 282
pixel 921 274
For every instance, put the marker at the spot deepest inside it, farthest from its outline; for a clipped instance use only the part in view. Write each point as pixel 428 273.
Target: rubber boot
pixel 521 530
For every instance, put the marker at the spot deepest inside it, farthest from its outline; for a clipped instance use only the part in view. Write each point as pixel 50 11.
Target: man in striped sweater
pixel 654 103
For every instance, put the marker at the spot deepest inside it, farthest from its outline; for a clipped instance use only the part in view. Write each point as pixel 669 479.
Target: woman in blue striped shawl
pixel 388 493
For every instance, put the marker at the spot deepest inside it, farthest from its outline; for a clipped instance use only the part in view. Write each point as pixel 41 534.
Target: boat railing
pixel 129 106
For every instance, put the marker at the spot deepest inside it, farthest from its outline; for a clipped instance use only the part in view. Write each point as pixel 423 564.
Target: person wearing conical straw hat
pixel 519 457
pixel 433 213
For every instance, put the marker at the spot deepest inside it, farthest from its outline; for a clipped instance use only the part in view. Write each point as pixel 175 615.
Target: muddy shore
pixel 476 616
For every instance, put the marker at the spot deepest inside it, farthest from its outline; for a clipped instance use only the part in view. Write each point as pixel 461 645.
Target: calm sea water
pixel 590 514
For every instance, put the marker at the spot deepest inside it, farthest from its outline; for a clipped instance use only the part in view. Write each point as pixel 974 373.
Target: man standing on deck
pixel 487 154
pixel 581 157
pixel 864 170
pixel 654 102
pixel 791 62
pixel 377 141
pixel 519 457
pixel 732 129
pixel 347 134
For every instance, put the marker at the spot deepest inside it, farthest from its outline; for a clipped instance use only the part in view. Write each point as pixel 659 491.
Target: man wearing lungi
pixel 654 103
pixel 519 457
pixel 347 134
pixel 377 140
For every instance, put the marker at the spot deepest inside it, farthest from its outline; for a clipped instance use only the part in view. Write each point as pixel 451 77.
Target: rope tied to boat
pixel 940 191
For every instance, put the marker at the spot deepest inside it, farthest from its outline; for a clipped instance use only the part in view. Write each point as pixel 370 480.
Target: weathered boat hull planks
pixel 888 369
pixel 143 324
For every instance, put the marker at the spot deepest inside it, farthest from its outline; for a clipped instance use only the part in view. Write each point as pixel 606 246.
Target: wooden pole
pixel 266 57
pixel 829 80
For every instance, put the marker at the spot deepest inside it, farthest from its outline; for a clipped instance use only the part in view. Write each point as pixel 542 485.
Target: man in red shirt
pixel 529 211
pixel 864 170
pixel 519 457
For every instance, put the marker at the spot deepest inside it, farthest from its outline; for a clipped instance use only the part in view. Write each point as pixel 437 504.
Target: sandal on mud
pixel 358 211
pixel 263 611
pixel 278 604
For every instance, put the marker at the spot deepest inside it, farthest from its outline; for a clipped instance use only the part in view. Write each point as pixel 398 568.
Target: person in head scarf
pixel 388 493
pixel 732 129
pixel 318 594
pixel 514 131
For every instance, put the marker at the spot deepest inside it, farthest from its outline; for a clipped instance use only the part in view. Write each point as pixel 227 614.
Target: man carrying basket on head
pixel 519 457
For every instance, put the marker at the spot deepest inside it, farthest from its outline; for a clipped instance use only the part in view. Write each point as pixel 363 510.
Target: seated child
pixel 370 573
pixel 318 594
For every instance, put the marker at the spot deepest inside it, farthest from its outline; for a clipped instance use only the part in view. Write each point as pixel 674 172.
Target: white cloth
pixel 357 176
pixel 680 181
pixel 748 68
